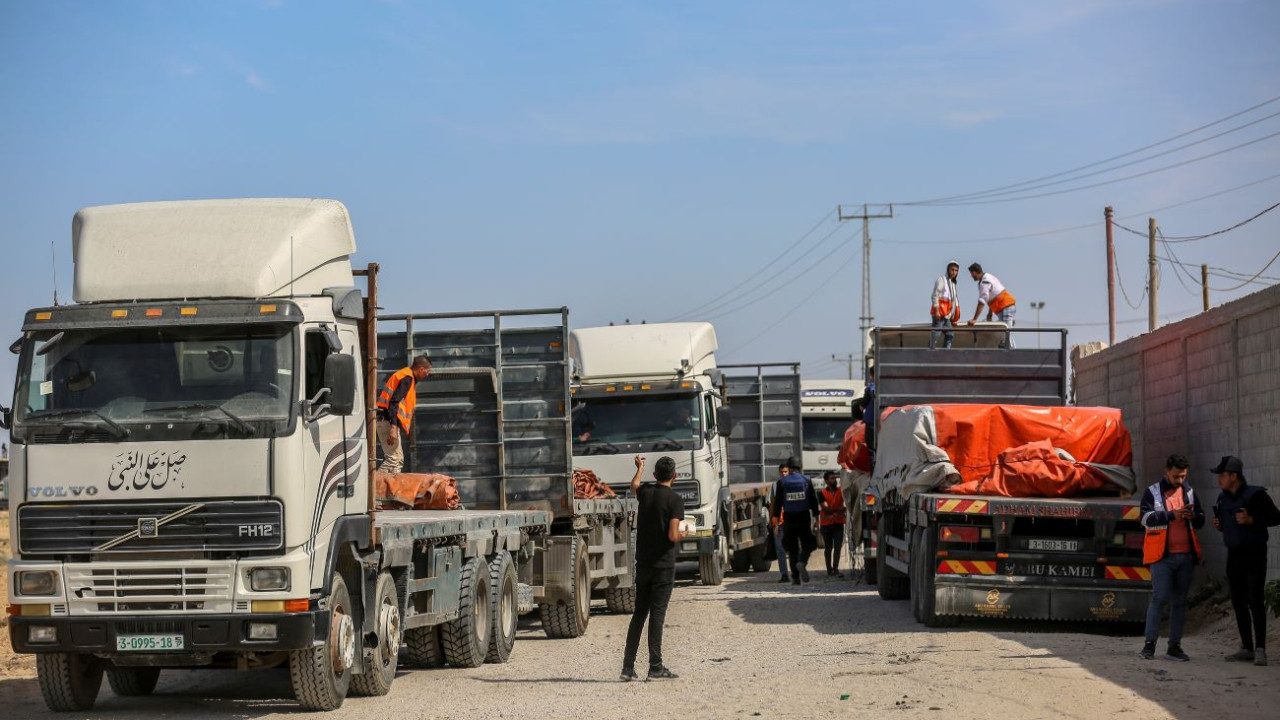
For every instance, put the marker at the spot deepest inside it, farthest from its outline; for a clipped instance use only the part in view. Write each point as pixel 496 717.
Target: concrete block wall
pixel 1205 387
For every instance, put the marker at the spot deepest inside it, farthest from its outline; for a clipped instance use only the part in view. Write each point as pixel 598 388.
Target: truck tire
pixel 466 640
pixel 569 620
pixel 69 681
pixel 891 584
pixel 740 561
pixel 422 647
pixel 388 626
pixel 711 565
pixel 505 612
pixel 759 555
pixel 925 586
pixel 133 681
pixel 321 675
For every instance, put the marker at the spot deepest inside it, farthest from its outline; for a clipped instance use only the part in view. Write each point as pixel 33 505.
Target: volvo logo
pixel 148 527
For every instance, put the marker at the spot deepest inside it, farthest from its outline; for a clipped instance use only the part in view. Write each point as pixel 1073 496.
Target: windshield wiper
pixel 117 429
pixel 244 426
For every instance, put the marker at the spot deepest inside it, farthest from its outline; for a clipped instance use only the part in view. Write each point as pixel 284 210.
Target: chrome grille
pixel 103 588
pixel 217 525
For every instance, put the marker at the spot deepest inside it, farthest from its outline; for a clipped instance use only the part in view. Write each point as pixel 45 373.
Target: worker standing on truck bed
pixel 1242 514
pixel 831 520
pixel 779 548
pixel 992 293
pixel 1171 513
pixel 396 403
pixel 795 504
pixel 944 308
pixel 657 532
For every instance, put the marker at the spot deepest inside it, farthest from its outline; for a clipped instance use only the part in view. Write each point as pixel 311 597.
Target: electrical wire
pixel 1131 163
pixel 777 287
pixel 1179 267
pixel 767 267
pixel 821 286
pixel 1113 158
pixel 1255 275
pixel 1242 223
pixel 1120 282
pixel 1113 181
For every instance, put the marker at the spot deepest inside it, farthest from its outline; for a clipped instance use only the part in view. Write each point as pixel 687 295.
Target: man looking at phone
pixel 1171 514
pixel 1242 514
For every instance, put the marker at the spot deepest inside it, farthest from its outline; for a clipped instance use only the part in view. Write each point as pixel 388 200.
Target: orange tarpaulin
pixel 586 486
pixel 854 454
pixel 974 436
pixel 416 491
pixel 1035 470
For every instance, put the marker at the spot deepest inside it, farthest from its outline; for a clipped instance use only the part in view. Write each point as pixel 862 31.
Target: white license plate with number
pixel 1058 545
pixel 148 643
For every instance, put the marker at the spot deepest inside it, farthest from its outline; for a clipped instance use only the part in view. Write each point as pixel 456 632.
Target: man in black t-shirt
pixel 657 532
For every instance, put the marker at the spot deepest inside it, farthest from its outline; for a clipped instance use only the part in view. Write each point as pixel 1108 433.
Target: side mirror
pixel 6 417
pixel 16 346
pixel 724 421
pixel 340 379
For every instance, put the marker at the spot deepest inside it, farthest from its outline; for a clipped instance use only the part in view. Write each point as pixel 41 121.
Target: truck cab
pixel 653 390
pixel 826 412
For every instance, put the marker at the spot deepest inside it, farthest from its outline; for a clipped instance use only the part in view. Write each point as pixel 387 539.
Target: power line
pixel 1178 266
pixel 1120 282
pixel 766 267
pixel 1255 276
pixel 1242 223
pixel 1131 163
pixel 1179 136
pixel 1170 316
pixel 778 286
pixel 821 286
pixel 1112 181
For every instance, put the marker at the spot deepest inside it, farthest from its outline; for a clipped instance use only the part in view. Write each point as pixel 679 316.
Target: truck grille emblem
pixel 148 527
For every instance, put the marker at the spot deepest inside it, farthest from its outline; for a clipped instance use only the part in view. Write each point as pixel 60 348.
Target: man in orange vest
pixel 1171 513
pixel 831 519
pixel 992 293
pixel 944 309
pixel 395 411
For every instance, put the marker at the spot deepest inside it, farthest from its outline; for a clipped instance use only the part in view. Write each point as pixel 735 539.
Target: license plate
pixel 148 643
pixel 1058 545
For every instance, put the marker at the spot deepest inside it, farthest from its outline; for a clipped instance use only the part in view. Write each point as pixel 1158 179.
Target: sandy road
pixel 755 649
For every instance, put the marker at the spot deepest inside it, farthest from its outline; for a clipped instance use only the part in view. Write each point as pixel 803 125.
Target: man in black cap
pixel 1243 513
pixel 795 502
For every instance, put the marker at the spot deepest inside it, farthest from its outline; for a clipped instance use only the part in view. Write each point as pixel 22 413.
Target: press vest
pixel 404 410
pixel 1157 537
pixel 833 512
pixel 794 489
pixel 995 296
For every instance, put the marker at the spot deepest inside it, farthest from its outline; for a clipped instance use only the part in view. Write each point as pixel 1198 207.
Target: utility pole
pixel 1153 281
pixel 848 359
pixel 1111 279
pixel 881 211
pixel 1204 285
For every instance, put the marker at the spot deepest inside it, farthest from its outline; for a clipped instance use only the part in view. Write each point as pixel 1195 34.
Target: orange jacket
pixel 832 511
pixel 409 400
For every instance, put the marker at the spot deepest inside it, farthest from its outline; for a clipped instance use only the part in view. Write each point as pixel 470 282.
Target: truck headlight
pixel 37 582
pixel 266 579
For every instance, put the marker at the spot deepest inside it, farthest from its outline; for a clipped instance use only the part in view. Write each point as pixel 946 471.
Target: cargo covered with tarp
pixel 1003 450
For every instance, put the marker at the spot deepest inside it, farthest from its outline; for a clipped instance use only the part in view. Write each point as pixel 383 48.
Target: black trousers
pixel 798 540
pixel 653 592
pixel 832 543
pixel 1246 574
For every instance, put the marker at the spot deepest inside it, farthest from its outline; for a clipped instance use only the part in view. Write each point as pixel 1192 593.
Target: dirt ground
pixel 752 648
pixel 11 664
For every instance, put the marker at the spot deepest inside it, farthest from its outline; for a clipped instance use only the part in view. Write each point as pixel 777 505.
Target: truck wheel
pixel 711 566
pixel 759 555
pixel 133 681
pixel 422 647
pixel 621 600
pixel 321 675
pixel 68 681
pixel 892 584
pixel 505 612
pixel 466 640
pixel 740 561
pixel 570 620
pixel 926 586
pixel 380 670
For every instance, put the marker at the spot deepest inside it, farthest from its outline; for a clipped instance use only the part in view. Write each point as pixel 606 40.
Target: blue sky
pixel 638 160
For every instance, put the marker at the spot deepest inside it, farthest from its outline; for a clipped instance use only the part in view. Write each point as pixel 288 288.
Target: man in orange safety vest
pixel 831 520
pixel 944 309
pixel 396 403
pixel 993 294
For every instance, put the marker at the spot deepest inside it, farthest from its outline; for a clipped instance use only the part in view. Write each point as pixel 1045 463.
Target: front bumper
pixel 201 633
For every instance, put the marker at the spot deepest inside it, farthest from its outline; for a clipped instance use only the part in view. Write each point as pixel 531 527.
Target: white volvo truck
pixel 191 470
pixel 654 390
pixel 826 412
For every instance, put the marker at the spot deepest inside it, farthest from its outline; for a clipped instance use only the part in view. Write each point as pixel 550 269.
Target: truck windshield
pixel 824 433
pixel 631 423
pixel 157 382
